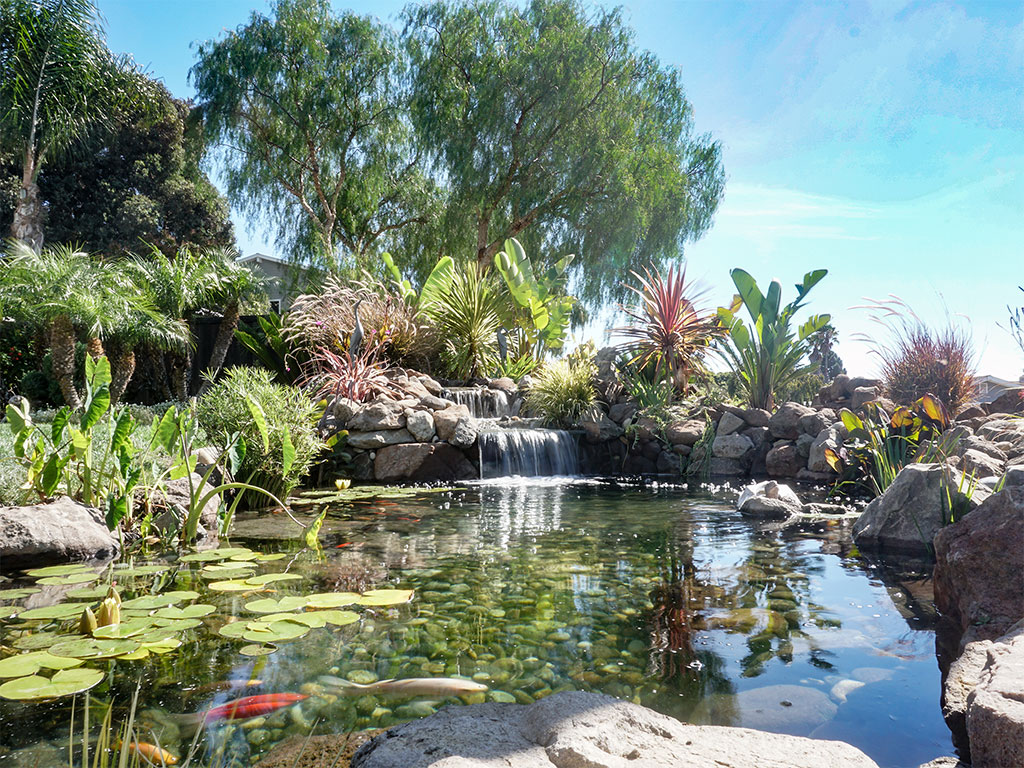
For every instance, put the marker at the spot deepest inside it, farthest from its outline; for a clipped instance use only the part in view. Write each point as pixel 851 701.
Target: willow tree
pixel 307 107
pixel 548 124
pixel 58 83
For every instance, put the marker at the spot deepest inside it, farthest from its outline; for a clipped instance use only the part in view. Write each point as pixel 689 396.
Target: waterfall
pixel 482 403
pixel 528 453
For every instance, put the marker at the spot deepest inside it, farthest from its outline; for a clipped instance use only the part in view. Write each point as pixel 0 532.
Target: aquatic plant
pixel 563 390
pixel 767 354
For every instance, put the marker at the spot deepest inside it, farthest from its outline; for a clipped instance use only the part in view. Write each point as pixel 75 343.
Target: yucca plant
pixel 669 332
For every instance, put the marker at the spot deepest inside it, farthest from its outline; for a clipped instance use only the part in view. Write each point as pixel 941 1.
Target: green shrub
pixel 225 410
pixel 563 390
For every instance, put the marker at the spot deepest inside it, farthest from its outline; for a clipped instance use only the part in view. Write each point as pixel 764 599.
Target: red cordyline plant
pixel 668 331
pixel 360 377
pixel 918 359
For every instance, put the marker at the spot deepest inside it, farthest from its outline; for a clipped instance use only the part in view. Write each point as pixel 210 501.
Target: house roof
pixel 1005 383
pixel 261 257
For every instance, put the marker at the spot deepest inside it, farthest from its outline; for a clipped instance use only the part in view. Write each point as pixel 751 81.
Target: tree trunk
pixel 225 333
pixel 27 225
pixel 62 349
pixel 483 225
pixel 122 370
pixel 179 377
pixel 94 347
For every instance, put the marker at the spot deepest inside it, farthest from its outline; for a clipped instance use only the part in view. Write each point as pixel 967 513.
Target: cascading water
pixel 527 453
pixel 482 403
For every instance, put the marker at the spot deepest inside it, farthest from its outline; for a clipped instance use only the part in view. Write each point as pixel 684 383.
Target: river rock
pixel 59 531
pixel 599 428
pixel 422 462
pixel 576 729
pixel 995 708
pixel 785 422
pixel 784 461
pixel 981 465
pixel 506 385
pixel 728 424
pixel 768 499
pixel 377 416
pixel 826 439
pixel 420 425
pixel 445 420
pixel 913 509
pixel 861 396
pixel 621 411
pixel 369 441
pixel 685 432
pixel 316 751
pixel 465 433
pixel 792 709
pixel 962 678
pixel 979 569
pixel 731 446
pixel 757 417
pixel 813 423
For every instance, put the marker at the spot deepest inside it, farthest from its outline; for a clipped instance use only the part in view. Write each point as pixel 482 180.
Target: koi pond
pixel 655 595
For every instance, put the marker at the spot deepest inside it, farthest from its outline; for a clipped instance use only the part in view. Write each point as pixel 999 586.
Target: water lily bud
pixel 88 622
pixel 109 613
pixel 113 595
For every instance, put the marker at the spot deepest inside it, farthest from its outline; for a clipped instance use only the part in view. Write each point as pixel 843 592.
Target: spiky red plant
pixel 668 330
pixel 360 377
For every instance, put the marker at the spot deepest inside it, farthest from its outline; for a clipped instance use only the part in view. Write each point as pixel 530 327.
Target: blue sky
pixel 883 141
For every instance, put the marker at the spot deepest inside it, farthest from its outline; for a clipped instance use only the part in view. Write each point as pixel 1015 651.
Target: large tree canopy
pixel 549 125
pixel 307 108
pixel 139 183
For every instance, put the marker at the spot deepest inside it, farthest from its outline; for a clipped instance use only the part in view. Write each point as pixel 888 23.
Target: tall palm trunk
pixel 180 364
pixel 27 225
pixel 225 333
pixel 94 346
pixel 122 370
pixel 62 348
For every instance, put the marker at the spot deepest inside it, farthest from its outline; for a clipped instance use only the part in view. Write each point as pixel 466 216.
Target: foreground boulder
pixel 995 708
pixel 422 462
pixel 56 532
pixel 768 499
pixel 589 730
pixel 913 509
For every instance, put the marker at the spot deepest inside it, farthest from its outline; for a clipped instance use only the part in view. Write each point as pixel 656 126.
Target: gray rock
pixel 506 385
pixel 1015 476
pixel 170 505
pixel 342 409
pixel 826 439
pixel 974 462
pixel 785 422
pixel 757 417
pixel 913 509
pixel 861 396
pixel 728 424
pixel 432 386
pixel 369 441
pixel 422 463
pixel 860 381
pixel 841 387
pixel 56 532
pixel 731 446
pixel 979 444
pixel 768 500
pixel 621 411
pixel 757 435
pixel 813 423
pixel 962 678
pixel 435 403
pixel 803 445
pixel 784 461
pixel 685 432
pixel 668 463
pixel 420 425
pixel 600 428
pixel 446 419
pixel 465 433
pixel 726 467
pixel 589 730
pixel 944 762
pixel 377 416
pixel 995 708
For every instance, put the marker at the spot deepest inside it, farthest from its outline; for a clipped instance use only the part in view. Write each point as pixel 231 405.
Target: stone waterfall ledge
pixel 589 730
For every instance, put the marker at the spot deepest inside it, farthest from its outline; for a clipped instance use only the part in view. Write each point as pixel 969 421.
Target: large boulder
pixel 913 509
pixel 599 428
pixel 829 438
pixel 368 441
pixel 785 422
pixel 685 432
pixel 981 465
pixel 731 446
pixel 59 531
pixel 446 419
pixel 979 568
pixel 784 461
pixel 995 708
pixel 377 416
pixel 420 424
pixel 422 463
pixel 576 729
pixel 729 423
pixel 465 433
pixel 768 499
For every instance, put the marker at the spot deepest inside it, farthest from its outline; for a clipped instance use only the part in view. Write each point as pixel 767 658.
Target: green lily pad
pixel 88 593
pixel 232 585
pixel 156 636
pixel 81 577
pixel 128 628
pixel 339 618
pixel 58 570
pixel 313 619
pixel 63 683
pixel 386 597
pixel 194 611
pixel 210 556
pixel 141 653
pixel 274 632
pixel 59 611
pixel 256 649
pixel 91 648
pixel 269 578
pixel 8 611
pixel 163 645
pixel 270 605
pixel 227 573
pixel 37 640
pixel 243 557
pixel 17 594
pixel 270 557
pixel 140 570
pixel 31 662
pixel 150 602
pixel 234 630
pixel 332 599
pixel 177 625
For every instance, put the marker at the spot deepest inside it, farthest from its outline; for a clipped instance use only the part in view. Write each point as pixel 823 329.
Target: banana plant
pixel 547 308
pixel 434 287
pixel 767 354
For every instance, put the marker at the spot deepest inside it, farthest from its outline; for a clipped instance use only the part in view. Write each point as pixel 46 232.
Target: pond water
pixel 655 595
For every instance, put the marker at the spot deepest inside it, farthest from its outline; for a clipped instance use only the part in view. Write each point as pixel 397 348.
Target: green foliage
pixel 877 447
pixel 563 390
pixel 19 355
pixel 308 102
pixel 822 352
pixel 767 354
pixel 268 417
pixel 802 388
pixel 545 311
pixel 467 317
pixel 648 387
pixel 548 124
pixel 270 347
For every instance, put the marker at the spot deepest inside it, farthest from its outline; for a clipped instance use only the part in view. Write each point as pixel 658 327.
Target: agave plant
pixel 669 332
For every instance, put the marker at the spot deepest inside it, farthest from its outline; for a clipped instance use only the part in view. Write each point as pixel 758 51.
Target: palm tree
pixel 64 292
pixel 179 286
pixel 233 285
pixel 58 83
pixel 822 354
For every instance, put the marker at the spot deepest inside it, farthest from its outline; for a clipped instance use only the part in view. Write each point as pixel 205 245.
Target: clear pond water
pixel 656 595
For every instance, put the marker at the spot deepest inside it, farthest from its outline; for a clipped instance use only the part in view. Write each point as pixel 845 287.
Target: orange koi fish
pixel 151 753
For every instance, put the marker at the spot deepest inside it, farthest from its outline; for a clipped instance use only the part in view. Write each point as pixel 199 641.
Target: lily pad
pixel 58 570
pixel 140 570
pixel 274 632
pixel 81 577
pixel 256 649
pixel 91 648
pixel 332 599
pixel 31 662
pixel 194 611
pixel 7 611
pixel 232 585
pixel 149 602
pixel 59 611
pixel 128 628
pixel 88 593
pixel 63 683
pixel 339 618
pixel 177 625
pixel 37 640
pixel 227 573
pixel 270 557
pixel 210 556
pixel 269 578
pixel 314 619
pixel 164 645
pixel 242 557
pixel 17 594
pixel 270 605
pixel 234 630
pixel 386 597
